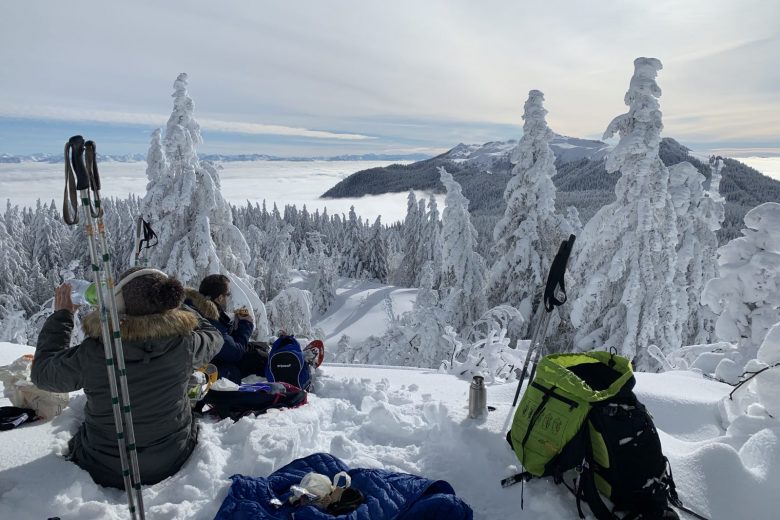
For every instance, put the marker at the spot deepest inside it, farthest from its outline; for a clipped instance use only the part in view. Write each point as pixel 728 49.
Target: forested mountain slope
pixel 483 172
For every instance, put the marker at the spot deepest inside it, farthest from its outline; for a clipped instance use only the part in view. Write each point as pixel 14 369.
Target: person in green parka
pixel 163 343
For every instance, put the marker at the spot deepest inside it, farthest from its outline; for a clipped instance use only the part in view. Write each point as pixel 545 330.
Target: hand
pixel 244 314
pixel 62 299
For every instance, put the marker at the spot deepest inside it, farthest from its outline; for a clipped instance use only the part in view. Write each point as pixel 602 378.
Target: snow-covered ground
pixel 412 420
pixel 283 182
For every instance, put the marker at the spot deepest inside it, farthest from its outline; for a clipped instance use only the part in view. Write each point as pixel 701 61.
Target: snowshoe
pixel 314 353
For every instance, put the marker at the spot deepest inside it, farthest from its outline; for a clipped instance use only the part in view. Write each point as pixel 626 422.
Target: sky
pixel 319 78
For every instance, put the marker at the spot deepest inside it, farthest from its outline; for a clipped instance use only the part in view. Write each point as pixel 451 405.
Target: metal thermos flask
pixel 477 398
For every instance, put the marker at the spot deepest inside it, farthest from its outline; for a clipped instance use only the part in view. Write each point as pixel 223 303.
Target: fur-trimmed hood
pixel 207 308
pixel 175 322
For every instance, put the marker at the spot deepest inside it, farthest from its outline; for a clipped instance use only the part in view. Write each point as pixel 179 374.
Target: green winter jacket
pixel 160 351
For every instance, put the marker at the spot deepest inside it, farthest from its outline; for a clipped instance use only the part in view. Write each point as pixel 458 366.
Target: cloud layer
pixel 395 75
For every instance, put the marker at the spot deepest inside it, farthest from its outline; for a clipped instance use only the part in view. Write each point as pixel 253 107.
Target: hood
pixel 176 322
pixel 207 308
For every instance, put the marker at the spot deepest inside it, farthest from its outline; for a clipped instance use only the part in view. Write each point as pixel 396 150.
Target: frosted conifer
pixel 699 215
pixel 185 206
pixel 746 294
pixel 324 284
pixel 627 260
pixel 376 254
pixel 463 269
pixel 530 233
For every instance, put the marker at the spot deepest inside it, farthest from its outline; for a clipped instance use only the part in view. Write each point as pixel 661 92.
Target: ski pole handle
pixel 555 278
pixel 77 161
pixel 94 176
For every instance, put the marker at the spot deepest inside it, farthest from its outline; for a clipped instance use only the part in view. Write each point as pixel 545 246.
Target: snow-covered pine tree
pixel 257 266
pixel 697 222
pixel 160 177
pixel 376 254
pixel 530 233
pixel 411 262
pixel 290 311
pixel 324 283
pixel 47 233
pixel 232 249
pixel 746 294
pixel 277 272
pixel 352 259
pixel 14 300
pixel 184 203
pixel 463 269
pixel 627 261
pixel 433 240
pixel 428 322
pixel 186 248
pixel 712 210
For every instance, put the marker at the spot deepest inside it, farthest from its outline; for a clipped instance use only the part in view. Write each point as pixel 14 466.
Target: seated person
pixel 238 358
pixel 162 344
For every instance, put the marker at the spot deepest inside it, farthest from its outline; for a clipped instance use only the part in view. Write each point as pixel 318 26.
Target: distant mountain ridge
pixel 138 157
pixel 581 180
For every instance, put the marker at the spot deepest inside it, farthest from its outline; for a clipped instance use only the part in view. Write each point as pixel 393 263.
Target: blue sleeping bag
pixel 389 496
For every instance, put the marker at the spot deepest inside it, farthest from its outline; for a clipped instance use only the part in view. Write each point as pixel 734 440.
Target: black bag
pixel 12 417
pixel 249 399
pixel 624 462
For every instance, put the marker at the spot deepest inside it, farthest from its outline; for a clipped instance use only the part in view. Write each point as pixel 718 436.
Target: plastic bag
pixel 22 393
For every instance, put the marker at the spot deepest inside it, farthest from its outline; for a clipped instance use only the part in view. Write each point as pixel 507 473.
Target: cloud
pixel 156 120
pixel 324 65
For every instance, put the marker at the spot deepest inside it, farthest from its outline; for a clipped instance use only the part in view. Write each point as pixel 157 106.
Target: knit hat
pixel 147 291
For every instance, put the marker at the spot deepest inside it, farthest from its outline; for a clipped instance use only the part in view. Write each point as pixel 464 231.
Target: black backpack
pixel 623 462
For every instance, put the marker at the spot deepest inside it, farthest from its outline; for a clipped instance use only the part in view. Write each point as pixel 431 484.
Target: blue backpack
pixel 286 363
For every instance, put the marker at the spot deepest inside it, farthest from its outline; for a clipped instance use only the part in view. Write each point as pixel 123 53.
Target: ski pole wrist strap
pixel 555 278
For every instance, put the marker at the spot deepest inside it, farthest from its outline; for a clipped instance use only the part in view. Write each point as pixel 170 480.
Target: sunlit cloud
pixel 156 120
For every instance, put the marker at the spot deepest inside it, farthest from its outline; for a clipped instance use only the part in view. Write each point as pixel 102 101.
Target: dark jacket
pixel 160 351
pixel 235 333
pixel 388 495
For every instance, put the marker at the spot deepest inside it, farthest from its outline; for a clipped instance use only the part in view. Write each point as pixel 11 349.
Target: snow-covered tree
pixel 431 241
pixel 160 177
pixel 352 260
pixel 530 233
pixel 277 268
pixel 746 294
pixel 232 248
pixel 376 254
pixel 699 215
pixel 184 203
pixel 463 269
pixel 186 248
pixel 627 261
pixel 324 284
pixel 290 311
pixel 429 322
pixel 413 248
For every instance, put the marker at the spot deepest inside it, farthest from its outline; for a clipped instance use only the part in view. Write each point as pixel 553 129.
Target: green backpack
pixel 580 412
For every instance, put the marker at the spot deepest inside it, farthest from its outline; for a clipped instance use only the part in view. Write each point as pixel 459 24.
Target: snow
pixel 405 419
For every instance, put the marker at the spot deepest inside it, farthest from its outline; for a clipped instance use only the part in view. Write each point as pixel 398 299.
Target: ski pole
pixel 555 287
pixel 87 179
